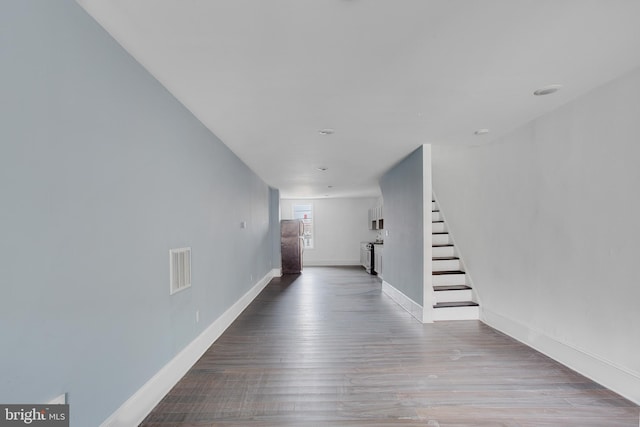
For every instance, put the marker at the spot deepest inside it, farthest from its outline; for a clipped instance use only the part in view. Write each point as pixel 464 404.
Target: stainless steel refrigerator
pixel 291 245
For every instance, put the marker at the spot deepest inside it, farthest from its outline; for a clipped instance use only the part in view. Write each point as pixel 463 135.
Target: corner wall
pixel 274 219
pixel 102 171
pixel 406 190
pixel 547 220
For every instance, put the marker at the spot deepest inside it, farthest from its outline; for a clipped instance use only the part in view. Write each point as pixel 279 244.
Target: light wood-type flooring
pixel 327 348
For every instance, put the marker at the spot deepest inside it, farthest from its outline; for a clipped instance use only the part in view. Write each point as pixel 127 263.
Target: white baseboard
pixel 403 301
pixel 332 263
pixel 137 407
pixel 616 378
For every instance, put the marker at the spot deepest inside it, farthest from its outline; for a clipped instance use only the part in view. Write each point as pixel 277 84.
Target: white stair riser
pixel 443 252
pixel 441 239
pixel 456 313
pixel 438 227
pixel 445 265
pixel 454 296
pixel 449 279
pixel 440 251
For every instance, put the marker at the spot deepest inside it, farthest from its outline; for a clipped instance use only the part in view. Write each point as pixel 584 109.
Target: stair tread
pixel 441 232
pixel 438 273
pixel 448 245
pixel 456 304
pixel 444 258
pixel 451 288
pixel 434 222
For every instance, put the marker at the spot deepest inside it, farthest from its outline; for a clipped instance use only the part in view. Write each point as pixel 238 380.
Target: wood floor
pixel 327 348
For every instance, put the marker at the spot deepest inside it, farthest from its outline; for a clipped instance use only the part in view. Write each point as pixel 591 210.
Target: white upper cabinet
pixel 376 221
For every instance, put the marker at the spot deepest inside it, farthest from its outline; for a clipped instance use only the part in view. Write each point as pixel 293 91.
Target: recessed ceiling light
pixel 326 131
pixel 481 132
pixel 547 90
pixel 322 168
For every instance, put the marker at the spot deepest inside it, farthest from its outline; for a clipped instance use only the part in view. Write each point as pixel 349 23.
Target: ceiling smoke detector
pixel 547 90
pixel 322 168
pixel 481 132
pixel 326 131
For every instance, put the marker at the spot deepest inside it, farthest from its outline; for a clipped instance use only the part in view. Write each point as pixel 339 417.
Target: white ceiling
pixel 387 75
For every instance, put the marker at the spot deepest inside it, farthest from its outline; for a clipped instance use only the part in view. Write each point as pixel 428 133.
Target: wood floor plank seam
pixel 328 348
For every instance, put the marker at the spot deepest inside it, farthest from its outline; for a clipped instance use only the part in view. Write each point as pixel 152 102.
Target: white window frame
pixel 309 224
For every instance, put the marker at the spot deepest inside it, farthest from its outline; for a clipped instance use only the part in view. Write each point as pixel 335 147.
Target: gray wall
pixel 546 219
pixel 274 217
pixel 402 191
pixel 102 171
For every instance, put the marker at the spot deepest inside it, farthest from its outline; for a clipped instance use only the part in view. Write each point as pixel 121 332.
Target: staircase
pixel 453 294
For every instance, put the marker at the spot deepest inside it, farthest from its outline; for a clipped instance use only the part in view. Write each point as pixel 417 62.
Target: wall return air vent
pixel 179 269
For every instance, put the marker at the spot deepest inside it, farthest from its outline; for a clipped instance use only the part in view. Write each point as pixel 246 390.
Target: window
pixel 305 213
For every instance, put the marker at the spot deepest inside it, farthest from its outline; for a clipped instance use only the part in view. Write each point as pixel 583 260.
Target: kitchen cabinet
pixel 376 221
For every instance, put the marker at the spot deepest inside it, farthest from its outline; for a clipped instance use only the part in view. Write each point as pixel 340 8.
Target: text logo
pixel 34 415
